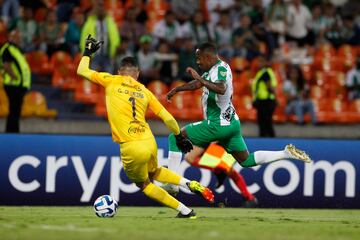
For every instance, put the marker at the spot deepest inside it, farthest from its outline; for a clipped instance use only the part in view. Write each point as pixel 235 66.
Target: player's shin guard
pixel 165 175
pixel 241 184
pixel 158 194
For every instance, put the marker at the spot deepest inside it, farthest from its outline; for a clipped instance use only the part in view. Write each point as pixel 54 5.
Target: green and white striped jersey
pixel 218 108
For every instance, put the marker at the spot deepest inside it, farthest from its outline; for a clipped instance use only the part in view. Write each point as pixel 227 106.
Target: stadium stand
pixel 323 65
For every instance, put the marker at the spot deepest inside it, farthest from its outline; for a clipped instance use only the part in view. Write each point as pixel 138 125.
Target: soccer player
pixel 127 101
pixel 221 123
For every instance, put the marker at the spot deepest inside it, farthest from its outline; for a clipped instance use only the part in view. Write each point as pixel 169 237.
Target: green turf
pixel 35 223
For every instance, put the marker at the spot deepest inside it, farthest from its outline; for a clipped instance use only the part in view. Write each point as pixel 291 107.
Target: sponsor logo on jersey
pixel 136 129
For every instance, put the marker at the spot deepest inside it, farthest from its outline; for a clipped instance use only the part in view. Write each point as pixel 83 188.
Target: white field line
pixel 72 228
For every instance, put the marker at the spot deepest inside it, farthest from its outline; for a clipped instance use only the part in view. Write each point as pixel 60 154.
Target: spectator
pixel 184 9
pixel 275 19
pixel 350 31
pixel 263 89
pixel 318 25
pixel 140 10
pixel 123 51
pixel 257 16
pixel 16 79
pixel 223 32
pixel 131 29
pixel 10 10
pixel 147 60
pixel 166 62
pixel 73 32
pixel 200 30
pixel 333 25
pixel 297 95
pixel 167 29
pixel 298 20
pixel 245 36
pixel 101 26
pixel 64 9
pixel 51 34
pixel 353 81
pixel 27 28
pixel 215 7
pixel 186 59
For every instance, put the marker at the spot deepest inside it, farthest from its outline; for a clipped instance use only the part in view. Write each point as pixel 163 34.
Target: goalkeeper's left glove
pixel 183 143
pixel 91 46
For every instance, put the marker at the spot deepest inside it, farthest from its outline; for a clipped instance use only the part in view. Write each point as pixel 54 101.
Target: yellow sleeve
pixel 161 112
pixel 272 77
pixel 96 77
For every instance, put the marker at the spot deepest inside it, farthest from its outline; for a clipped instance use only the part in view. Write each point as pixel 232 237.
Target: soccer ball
pixel 105 206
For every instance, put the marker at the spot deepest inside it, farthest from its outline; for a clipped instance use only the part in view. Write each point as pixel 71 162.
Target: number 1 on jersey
pixel 132 100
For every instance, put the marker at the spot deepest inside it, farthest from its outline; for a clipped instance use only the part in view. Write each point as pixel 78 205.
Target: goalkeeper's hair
pixel 128 62
pixel 208 47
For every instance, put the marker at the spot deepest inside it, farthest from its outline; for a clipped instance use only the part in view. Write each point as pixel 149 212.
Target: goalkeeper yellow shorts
pixel 139 158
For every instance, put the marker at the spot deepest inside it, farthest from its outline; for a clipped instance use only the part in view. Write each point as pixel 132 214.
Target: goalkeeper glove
pixel 183 143
pixel 91 46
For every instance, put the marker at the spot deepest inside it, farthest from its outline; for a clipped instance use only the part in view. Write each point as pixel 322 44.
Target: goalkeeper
pixel 127 101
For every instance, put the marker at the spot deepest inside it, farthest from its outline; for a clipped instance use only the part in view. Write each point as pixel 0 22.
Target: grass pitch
pixel 132 223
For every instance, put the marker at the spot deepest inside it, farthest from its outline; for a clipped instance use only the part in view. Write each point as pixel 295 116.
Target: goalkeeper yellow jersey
pixel 127 101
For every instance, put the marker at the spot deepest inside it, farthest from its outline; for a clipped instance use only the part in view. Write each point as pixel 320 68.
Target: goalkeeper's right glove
pixel 91 45
pixel 183 143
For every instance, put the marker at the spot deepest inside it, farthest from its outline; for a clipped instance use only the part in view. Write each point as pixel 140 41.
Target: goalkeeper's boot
pixel 172 189
pixel 191 215
pixel 205 192
pixel 296 153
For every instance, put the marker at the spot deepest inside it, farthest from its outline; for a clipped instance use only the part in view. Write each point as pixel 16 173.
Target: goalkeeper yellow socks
pixel 164 175
pixel 158 194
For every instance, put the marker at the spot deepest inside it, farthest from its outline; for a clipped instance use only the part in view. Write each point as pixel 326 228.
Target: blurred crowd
pixel 162 34
pixel 164 47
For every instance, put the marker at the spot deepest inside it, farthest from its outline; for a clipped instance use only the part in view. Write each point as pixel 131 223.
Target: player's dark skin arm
pixel 190 86
pixel 218 87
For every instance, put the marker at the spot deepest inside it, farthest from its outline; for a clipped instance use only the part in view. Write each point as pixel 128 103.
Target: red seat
pixel 239 64
pixel 348 55
pixel 60 58
pixel 65 77
pixel 353 115
pixel 242 84
pixel 77 59
pixel 158 88
pixel 86 91
pixel 307 72
pixel 100 107
pixel 331 111
pixel 244 109
pixel 325 50
pixel 317 92
pixel 156 9
pixel 326 64
pixel 180 106
pixel 38 62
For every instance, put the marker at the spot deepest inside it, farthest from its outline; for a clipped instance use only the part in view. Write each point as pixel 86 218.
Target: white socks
pixel 174 161
pixel 263 157
pixel 183 182
pixel 183 209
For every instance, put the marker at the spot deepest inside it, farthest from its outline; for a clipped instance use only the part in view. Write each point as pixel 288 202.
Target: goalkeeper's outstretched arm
pixel 83 69
pixel 91 46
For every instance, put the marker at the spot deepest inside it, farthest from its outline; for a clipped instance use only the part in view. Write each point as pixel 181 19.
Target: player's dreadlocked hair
pixel 208 47
pixel 128 62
